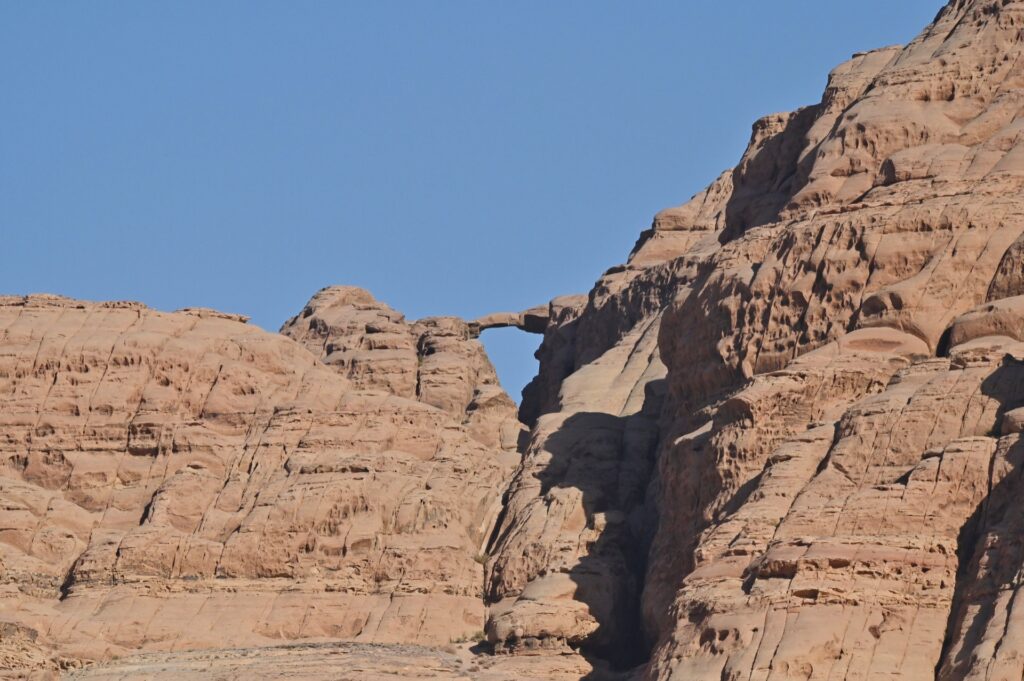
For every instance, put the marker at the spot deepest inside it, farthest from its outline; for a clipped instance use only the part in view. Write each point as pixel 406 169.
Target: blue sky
pixel 453 157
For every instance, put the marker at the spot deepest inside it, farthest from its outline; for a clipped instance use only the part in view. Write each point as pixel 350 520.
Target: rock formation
pixel 783 420
pixel 783 441
pixel 184 480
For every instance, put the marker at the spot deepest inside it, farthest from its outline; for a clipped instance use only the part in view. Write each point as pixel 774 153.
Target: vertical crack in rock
pixel 781 441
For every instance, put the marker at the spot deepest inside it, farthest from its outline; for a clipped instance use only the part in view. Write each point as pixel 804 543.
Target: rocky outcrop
pixel 436 360
pixel 882 232
pixel 834 324
pixel 183 480
pixel 781 442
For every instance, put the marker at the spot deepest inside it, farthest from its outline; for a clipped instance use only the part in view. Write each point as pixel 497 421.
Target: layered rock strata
pixel 781 442
pixel 183 480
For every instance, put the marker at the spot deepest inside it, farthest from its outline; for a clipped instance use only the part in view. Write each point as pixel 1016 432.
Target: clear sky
pixel 454 157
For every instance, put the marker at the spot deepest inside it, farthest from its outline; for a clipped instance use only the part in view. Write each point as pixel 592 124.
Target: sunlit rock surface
pixel 781 442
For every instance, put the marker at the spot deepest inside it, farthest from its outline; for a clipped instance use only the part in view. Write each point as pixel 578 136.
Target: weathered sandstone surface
pixel 184 480
pixel 777 440
pixel 783 441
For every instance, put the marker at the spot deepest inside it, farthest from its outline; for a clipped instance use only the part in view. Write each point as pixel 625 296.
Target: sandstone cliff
pixel 777 439
pixel 783 441
pixel 186 481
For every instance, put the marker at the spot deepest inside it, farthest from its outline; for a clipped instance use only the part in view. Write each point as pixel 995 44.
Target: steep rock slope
pixel 781 442
pixel 812 366
pixel 902 217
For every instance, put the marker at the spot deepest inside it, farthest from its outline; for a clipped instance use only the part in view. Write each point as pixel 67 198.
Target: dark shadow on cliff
pixel 557 361
pixel 609 459
pixel 990 549
pixel 613 481
pixel 766 182
pixel 768 179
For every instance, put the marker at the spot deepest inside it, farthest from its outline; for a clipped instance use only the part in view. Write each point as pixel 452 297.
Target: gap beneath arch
pixel 511 351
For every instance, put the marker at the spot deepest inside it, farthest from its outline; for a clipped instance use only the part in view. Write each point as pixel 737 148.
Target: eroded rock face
pixel 435 360
pixel 836 339
pixel 781 442
pixel 183 480
pixel 898 222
